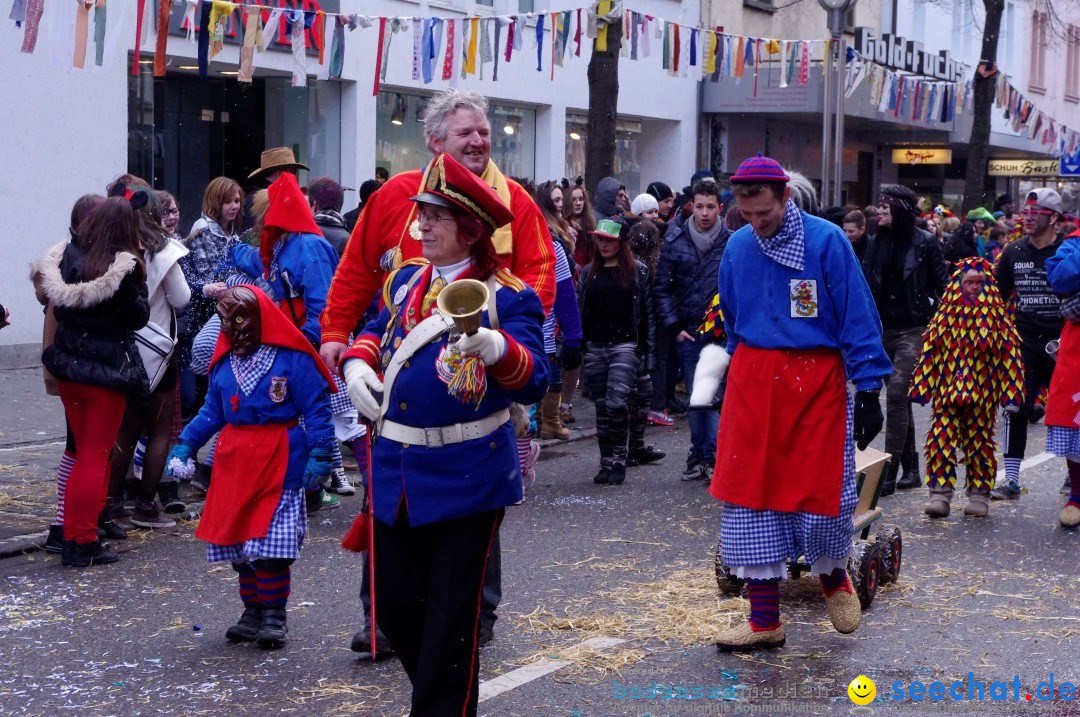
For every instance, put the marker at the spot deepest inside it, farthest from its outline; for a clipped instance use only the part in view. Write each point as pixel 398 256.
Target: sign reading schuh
pixel 1023 167
pixel 908 55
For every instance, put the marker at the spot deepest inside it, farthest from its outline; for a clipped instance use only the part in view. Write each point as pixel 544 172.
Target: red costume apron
pixel 1063 404
pixel 246 484
pixel 782 430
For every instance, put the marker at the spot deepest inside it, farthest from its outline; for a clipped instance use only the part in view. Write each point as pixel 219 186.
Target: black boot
pixel 361 642
pixel 888 486
pixel 247 627
pixel 108 529
pixel 604 476
pixel 55 542
pixel 618 474
pixel 169 493
pixel 911 477
pixel 84 555
pixel 274 628
pixel 642 456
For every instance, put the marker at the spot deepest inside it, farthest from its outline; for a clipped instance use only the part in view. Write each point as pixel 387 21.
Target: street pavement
pixel 608 592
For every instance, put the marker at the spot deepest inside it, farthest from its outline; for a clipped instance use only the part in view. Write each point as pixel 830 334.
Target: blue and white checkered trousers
pixel 1063 441
pixel 765 537
pixel 340 403
pixel 283 539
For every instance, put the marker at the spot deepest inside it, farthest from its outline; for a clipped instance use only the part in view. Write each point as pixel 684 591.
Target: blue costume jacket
pixel 825 305
pixel 308 262
pixel 465 478
pixel 305 394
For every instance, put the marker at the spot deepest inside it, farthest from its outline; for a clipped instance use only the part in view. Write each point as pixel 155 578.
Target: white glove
pixel 362 381
pixel 711 366
pixel 489 345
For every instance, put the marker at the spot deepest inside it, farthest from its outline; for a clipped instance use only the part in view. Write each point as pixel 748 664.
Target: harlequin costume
pixel 254 513
pixel 444 464
pixel 970 365
pixel 1063 408
pixel 800 323
pixel 386 236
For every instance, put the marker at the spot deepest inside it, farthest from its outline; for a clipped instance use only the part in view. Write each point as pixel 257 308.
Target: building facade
pixel 78 129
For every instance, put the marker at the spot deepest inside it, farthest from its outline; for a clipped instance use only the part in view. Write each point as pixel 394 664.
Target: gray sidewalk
pixel 32 440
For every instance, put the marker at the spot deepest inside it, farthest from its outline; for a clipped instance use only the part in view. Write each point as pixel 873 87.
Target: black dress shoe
pixel 83 555
pixel 361 642
pixel 55 542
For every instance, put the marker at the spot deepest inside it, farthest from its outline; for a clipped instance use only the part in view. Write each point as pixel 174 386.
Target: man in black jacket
pixel 906 272
pixel 686 280
pixel 326 197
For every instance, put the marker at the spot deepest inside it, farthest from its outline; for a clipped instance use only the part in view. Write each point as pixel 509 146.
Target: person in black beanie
pixel 664 197
pixel 906 272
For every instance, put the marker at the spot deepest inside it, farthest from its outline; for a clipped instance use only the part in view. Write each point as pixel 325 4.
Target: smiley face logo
pixel 862 690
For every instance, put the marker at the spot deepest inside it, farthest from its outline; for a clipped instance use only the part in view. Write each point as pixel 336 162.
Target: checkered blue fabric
pixel 762 537
pixel 1063 441
pixel 249 370
pixel 789 246
pixel 340 403
pixel 284 538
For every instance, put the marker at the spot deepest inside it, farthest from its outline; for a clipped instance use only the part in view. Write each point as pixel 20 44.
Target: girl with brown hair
pixel 578 212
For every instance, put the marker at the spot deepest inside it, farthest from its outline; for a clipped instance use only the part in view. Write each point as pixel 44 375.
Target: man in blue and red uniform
pixel 800 323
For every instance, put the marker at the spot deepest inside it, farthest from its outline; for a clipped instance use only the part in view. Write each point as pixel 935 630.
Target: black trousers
pixel 428 582
pixel 1038 371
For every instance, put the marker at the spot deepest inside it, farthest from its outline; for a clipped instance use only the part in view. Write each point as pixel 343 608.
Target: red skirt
pixel 1063 404
pixel 782 429
pixel 246 485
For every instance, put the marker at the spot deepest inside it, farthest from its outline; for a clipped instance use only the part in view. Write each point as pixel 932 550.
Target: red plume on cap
pixel 288 213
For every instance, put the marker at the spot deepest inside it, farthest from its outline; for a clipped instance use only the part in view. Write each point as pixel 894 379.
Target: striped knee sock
pixel 273 588
pixel 335 460
pixel 764 604
pixel 67 462
pixel 834 581
pixel 523 451
pixel 248 590
pixel 1012 469
pixel 140 453
pixel 210 455
pixel 359 449
pixel 1074 482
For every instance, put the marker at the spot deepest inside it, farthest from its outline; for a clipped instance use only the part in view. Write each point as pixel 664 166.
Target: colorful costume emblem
pixel 279 388
pixel 804 298
pixel 448 363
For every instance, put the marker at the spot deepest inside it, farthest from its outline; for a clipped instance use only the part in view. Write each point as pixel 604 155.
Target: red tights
pixel 94 415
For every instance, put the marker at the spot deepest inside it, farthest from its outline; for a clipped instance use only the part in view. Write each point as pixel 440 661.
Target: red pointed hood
pixel 277 330
pixel 288 213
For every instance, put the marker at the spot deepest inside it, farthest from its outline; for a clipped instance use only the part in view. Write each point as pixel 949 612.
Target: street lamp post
pixel 832 133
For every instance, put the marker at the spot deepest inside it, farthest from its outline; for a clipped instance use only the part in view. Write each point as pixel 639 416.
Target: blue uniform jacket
pixel 305 395
pixel 826 305
pixel 464 478
pixel 308 262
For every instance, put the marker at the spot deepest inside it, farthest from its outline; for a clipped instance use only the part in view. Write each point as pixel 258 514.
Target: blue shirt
pixel 827 304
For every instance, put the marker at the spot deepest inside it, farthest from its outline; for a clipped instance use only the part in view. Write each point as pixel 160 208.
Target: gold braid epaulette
pixel 505 278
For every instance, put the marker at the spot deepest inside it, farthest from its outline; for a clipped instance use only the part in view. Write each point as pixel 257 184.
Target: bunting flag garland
pixel 683 48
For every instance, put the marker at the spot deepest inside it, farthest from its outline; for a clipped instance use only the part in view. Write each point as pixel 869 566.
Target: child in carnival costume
pixel 969 365
pixel 265 378
pixel 1063 408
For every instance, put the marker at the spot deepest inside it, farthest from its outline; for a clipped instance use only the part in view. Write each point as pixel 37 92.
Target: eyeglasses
pixel 430 218
pixel 170 212
pixel 1033 212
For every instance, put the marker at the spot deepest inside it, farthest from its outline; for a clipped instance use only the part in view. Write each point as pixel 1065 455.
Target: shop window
pixel 399 135
pixel 1072 64
pixel 627 150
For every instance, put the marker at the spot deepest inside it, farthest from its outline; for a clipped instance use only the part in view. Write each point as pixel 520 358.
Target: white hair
pixel 441 106
pixel 803 193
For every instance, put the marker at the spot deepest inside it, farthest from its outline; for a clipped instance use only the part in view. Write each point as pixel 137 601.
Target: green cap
pixel 980 213
pixel 608 228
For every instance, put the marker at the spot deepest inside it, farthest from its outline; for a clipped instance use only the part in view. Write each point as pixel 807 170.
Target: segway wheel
pixel 728 584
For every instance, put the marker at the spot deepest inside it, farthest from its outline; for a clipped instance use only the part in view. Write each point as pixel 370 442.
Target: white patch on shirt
pixel 803 295
pixel 402 292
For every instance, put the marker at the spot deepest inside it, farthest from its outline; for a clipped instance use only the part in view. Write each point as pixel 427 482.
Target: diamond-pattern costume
pixel 969 365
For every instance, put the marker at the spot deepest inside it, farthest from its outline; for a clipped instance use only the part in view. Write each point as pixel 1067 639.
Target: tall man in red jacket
pixel 386 235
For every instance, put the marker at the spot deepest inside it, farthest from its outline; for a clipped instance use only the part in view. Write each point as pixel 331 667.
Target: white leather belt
pixel 443 435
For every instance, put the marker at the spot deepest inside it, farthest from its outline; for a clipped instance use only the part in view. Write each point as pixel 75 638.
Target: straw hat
pixel 276 158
